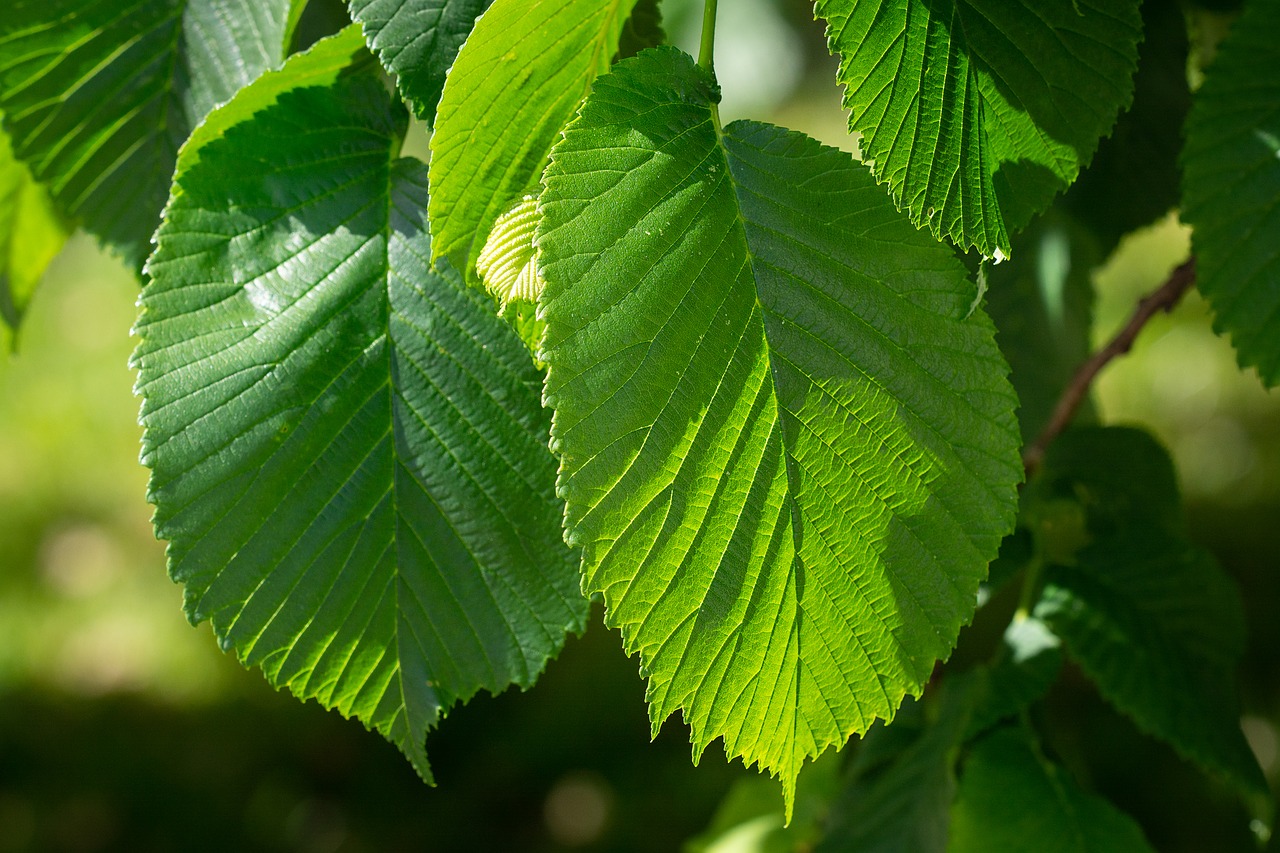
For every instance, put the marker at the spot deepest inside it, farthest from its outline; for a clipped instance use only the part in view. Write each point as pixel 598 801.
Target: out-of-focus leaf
pixel 1011 799
pixel 31 234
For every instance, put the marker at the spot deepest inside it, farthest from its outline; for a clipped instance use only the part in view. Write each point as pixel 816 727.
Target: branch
pixel 1162 298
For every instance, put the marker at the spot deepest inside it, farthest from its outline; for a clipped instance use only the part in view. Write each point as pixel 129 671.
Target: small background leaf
pixel 1011 799
pixel 31 234
pixel 1151 618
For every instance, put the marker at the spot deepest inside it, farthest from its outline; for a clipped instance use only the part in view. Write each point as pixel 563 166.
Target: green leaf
pixel 1149 617
pixel 348 450
pixel 1231 183
pixel 642 30
pixel 1042 305
pixel 1029 662
pixel 31 234
pixel 1133 179
pixel 977 112
pixel 99 94
pixel 902 805
pixel 517 82
pixel 788 449
pixel 1011 799
pixel 417 41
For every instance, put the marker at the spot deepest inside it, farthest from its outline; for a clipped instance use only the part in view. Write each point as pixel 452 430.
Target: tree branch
pixel 1163 298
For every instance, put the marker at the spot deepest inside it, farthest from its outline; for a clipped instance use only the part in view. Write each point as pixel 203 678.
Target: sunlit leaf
pixel 787 446
pixel 977 112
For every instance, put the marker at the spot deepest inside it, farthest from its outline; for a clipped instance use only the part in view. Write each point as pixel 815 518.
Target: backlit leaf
pixel 517 81
pixel 977 112
pixel 788 448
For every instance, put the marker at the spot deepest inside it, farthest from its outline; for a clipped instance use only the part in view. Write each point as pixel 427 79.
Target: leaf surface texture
pixel 977 112
pixel 788 449
pixel 1231 187
pixel 348 449
pixel 98 95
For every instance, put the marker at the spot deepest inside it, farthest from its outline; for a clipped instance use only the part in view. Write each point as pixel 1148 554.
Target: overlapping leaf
pixel 417 40
pixel 1231 187
pixel 787 447
pixel 976 112
pixel 516 83
pixel 1011 799
pixel 98 95
pixel 31 234
pixel 1152 619
pixel 348 449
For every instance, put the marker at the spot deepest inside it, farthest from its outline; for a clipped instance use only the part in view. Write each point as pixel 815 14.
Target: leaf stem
pixel 707 48
pixel 1163 298
pixel 1031 580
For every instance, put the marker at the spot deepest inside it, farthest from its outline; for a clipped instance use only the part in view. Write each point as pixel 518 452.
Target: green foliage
pixel 1150 617
pixel 492 139
pixel 31 234
pixel 1231 183
pixel 1011 798
pixel 418 40
pixel 405 421
pixel 98 95
pixel 977 112
pixel 358 495
pixel 758 510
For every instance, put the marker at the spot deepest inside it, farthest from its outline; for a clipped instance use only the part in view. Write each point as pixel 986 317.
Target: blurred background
pixel 124 728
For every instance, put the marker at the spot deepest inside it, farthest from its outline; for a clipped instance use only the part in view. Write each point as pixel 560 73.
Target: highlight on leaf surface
pixel 977 112
pixel 98 95
pixel 1231 187
pixel 788 449
pixel 349 455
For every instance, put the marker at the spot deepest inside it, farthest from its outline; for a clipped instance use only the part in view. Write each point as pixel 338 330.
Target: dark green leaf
pixel 977 112
pixel 99 94
pixel 417 40
pixel 348 450
pixel 903 805
pixel 1133 179
pixel 1231 187
pixel 787 446
pixel 1151 618
pixel 1012 800
pixel 525 69
pixel 643 29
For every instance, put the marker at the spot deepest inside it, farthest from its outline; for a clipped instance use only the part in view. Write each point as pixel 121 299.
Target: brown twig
pixel 1162 298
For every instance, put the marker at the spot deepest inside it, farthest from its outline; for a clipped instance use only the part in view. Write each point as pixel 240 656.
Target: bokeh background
pixel 124 728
